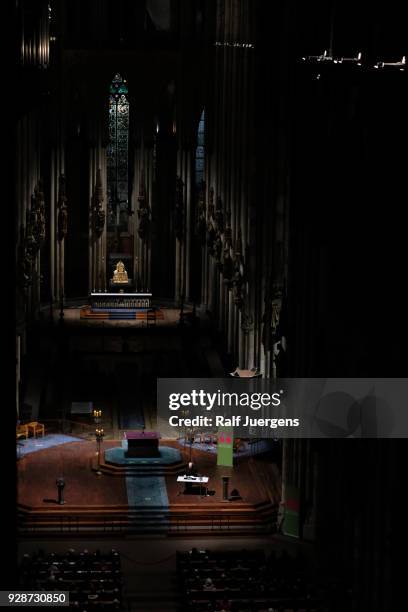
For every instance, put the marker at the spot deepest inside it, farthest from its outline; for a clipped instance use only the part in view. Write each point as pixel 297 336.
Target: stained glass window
pixel 199 154
pixel 117 154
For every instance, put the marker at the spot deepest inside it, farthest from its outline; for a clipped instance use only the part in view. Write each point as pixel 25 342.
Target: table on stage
pixel 142 444
pixel 191 481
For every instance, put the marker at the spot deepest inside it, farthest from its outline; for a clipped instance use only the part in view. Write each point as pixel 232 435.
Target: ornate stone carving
pixel 98 214
pixel 219 216
pixel 219 230
pixel 270 319
pixel 211 233
pixel 201 219
pixel 247 320
pixel 62 210
pixel 179 210
pixel 217 251
pixel 38 210
pixel 276 310
pixel 228 230
pixel 215 229
pixel 32 236
pixel 227 261
pixel 143 212
pixel 27 253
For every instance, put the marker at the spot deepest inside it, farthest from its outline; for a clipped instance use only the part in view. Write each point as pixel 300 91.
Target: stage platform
pixel 143 501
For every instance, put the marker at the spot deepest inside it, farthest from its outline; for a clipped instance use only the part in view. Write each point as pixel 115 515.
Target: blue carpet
pixel 168 455
pixel 36 444
pixel 118 310
pixel 148 504
pixel 147 491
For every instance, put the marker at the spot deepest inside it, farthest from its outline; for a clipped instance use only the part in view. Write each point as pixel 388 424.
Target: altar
pixel 119 302
pixel 142 444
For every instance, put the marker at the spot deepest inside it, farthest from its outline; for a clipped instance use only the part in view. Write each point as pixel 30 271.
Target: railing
pixel 127 520
pixel 221 522
pixel 67 426
pixel 68 524
pixel 122 524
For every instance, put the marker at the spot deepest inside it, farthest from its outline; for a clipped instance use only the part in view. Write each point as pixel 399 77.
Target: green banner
pixel 225 447
pixel 290 525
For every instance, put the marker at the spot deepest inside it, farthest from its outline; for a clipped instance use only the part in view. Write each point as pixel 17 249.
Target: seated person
pixel 209 585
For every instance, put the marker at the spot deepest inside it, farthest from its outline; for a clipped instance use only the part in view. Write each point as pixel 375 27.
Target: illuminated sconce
pixel 99 434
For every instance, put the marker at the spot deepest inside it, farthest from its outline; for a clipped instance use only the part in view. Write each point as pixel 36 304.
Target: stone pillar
pixel 91 236
pixel 309 527
pixel 52 224
pixel 18 374
pixel 98 227
pixel 150 197
pixel 136 240
pixel 284 476
pixel 104 207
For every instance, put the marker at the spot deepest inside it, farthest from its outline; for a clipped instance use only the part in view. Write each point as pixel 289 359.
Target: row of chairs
pixel 94 580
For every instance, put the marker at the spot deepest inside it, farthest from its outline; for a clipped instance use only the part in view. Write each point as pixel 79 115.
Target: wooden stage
pixel 94 501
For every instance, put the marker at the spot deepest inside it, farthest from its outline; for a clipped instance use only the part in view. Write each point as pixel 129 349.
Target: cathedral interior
pixel 204 187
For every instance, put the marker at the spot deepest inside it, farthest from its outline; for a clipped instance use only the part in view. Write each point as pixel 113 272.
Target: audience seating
pixel 246 581
pixel 94 580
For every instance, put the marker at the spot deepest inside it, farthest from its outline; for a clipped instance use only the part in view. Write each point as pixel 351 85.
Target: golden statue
pixel 120 275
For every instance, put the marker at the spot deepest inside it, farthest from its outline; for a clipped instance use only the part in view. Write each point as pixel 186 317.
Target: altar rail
pixel 120 300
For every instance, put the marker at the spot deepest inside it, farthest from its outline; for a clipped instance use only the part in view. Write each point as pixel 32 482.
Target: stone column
pixel 18 362
pixel 103 261
pixel 284 475
pixel 52 224
pixel 179 247
pixel 150 195
pixel 136 241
